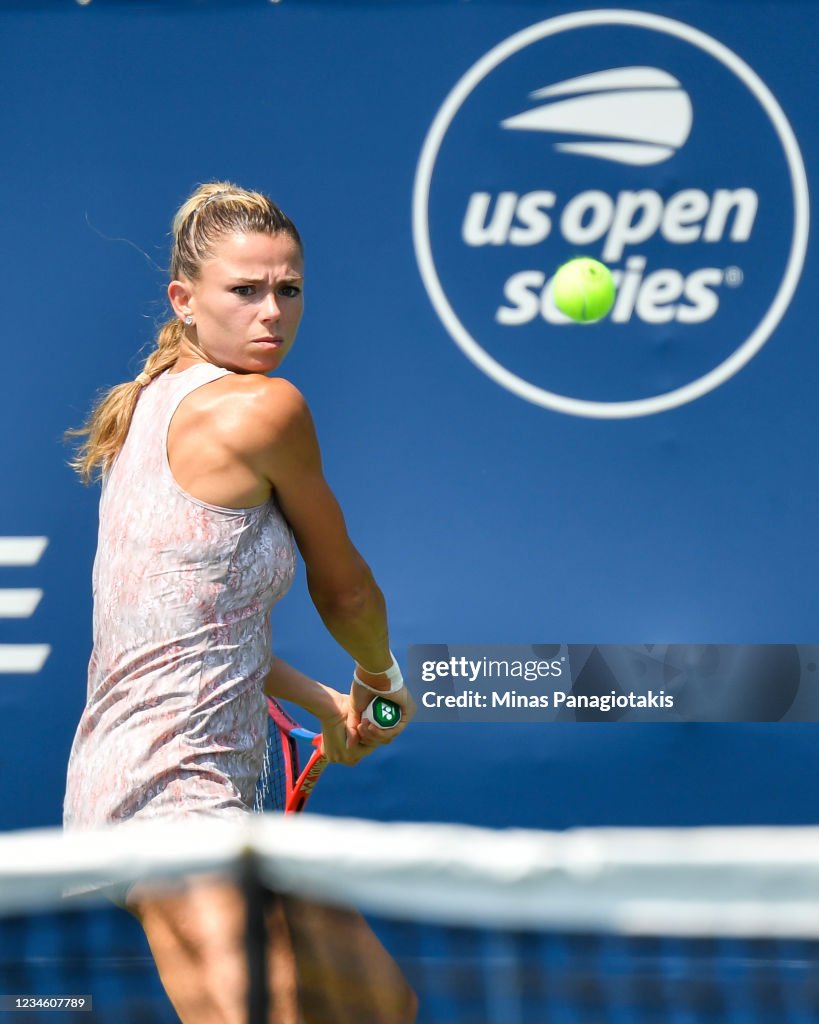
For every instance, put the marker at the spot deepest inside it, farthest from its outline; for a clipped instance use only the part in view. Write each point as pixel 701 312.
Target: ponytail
pixel 108 424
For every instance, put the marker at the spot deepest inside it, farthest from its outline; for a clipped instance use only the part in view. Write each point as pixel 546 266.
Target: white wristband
pixel 393 673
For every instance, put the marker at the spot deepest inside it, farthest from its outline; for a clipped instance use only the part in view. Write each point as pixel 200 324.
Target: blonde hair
pixel 214 210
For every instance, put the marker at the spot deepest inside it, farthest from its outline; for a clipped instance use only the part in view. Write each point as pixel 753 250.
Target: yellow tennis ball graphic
pixel 583 289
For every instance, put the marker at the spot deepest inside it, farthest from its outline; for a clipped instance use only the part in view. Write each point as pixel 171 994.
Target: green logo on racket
pixel 385 713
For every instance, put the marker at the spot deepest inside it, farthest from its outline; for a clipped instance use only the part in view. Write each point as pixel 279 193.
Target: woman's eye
pixel 243 289
pixel 291 291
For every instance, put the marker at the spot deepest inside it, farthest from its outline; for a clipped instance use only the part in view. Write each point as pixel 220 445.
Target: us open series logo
pixel 635 139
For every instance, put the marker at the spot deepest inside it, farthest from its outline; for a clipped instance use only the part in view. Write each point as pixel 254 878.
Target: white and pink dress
pixel 175 721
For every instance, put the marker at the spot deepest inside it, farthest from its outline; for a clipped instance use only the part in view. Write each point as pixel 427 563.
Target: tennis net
pixel 688 926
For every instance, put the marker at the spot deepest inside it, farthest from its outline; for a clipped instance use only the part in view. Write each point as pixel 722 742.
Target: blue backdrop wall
pixel 511 478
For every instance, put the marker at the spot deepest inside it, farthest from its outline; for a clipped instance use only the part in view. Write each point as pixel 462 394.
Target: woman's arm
pixel 330 707
pixel 281 444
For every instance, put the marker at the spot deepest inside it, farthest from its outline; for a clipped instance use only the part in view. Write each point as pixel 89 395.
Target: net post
pixel 255 899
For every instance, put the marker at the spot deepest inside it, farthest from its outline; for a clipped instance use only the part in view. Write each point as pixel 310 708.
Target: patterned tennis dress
pixel 175 721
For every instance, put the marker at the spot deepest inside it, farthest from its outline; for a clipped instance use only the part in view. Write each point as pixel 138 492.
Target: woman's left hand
pixel 347 738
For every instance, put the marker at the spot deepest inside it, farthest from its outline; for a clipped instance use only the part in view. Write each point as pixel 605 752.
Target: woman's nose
pixel 270 309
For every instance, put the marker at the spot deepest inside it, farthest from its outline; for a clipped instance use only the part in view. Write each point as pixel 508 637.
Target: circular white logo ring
pixel 423 250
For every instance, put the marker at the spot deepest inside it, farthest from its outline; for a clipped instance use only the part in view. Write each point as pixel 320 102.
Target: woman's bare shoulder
pixel 260 410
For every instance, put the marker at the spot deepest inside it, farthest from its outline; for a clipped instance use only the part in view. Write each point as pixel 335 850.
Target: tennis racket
pixel 284 785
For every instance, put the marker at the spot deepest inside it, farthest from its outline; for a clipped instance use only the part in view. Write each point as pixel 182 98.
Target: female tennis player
pixel 210 470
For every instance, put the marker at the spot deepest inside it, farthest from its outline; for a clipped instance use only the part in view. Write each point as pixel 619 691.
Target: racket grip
pixel 383 713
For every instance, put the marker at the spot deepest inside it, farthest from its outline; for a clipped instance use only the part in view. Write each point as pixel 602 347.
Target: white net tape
pixel 701 881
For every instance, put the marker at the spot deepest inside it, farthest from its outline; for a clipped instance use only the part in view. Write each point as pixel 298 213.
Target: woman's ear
pixel 179 294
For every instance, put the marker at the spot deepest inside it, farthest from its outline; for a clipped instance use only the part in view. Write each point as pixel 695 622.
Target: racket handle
pixel 383 713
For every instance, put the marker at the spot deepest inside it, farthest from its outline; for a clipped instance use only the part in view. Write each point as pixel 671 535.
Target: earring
pixel 188 319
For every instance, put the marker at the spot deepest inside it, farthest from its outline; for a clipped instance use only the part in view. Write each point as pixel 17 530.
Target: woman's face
pixel 247 303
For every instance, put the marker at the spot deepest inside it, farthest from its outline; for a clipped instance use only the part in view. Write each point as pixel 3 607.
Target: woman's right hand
pixel 371 735
pixel 348 738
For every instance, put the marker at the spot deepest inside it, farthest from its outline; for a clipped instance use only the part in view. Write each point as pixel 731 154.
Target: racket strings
pixel 279 770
